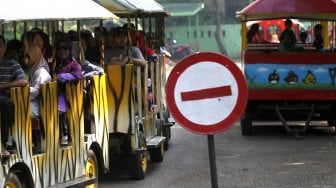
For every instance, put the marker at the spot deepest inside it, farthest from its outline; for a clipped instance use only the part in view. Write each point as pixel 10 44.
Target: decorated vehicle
pixel 298 84
pixel 138 119
pixel 52 164
pixel 116 115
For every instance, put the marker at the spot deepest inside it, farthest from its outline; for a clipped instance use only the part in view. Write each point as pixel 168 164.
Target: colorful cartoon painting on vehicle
pixel 287 76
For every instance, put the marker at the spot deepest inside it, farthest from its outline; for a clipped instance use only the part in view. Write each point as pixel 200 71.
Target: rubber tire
pixel 246 122
pixel 12 181
pixel 138 162
pixel 166 133
pixel 92 159
pixel 166 129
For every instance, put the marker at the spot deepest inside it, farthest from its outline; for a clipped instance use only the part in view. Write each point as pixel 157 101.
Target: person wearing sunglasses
pixel 67 69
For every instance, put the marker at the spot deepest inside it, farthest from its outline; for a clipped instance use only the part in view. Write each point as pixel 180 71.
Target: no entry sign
pixel 206 93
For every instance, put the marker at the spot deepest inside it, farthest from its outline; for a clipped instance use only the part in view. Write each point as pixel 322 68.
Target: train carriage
pixel 139 129
pixel 111 117
pixel 53 164
pixel 295 85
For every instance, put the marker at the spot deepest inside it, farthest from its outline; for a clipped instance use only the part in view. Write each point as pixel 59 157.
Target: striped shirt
pixel 10 70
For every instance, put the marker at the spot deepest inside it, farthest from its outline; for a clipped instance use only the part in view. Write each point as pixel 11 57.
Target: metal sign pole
pixel 212 159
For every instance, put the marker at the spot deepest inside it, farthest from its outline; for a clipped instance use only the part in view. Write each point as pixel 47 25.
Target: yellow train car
pixel 138 129
pixel 121 126
pixel 115 122
pixel 54 164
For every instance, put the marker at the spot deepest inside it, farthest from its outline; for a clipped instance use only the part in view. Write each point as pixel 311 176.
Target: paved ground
pixel 269 158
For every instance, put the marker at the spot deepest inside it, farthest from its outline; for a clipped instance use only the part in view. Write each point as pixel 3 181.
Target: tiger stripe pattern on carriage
pixel 20 132
pixel 99 115
pixel 120 97
pixel 74 158
pixel 55 164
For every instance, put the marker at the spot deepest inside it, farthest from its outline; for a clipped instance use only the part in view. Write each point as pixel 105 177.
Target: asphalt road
pixel 269 158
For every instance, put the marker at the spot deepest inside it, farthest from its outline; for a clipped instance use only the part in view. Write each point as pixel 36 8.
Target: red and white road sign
pixel 206 93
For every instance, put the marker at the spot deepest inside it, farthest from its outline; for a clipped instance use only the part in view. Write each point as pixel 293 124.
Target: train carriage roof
pixel 24 10
pixel 302 9
pixel 117 6
pixel 124 8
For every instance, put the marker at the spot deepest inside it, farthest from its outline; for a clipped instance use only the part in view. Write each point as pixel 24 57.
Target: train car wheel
pixel 166 129
pixel 246 122
pixel 91 168
pixel 12 181
pixel 138 161
pixel 166 133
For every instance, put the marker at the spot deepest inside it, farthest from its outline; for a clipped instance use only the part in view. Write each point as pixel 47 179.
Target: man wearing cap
pixel 122 53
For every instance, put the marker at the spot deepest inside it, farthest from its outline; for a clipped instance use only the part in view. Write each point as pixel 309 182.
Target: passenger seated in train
pixel 110 41
pixel 152 56
pixel 67 69
pixel 137 37
pixel 38 72
pixel 11 75
pixel 303 37
pixel 318 39
pixel 92 53
pixel 302 40
pixel 37 36
pixel 88 69
pixel 122 53
pixel 253 35
pixel 287 38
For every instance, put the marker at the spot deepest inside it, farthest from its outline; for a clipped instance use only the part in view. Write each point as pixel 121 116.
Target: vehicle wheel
pixel 166 130
pixel 246 122
pixel 12 181
pixel 91 168
pixel 166 133
pixel 166 116
pixel 138 161
pixel 156 155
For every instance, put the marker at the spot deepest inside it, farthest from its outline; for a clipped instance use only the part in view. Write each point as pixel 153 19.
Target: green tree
pixel 219 42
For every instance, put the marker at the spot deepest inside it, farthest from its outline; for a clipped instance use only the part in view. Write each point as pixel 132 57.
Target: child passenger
pixel 38 71
pixel 67 69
